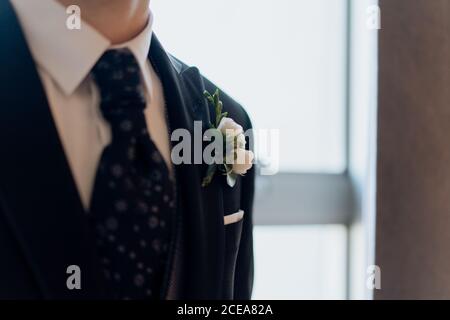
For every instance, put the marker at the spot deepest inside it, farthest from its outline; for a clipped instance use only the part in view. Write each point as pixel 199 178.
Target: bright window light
pixel 283 60
pixel 300 262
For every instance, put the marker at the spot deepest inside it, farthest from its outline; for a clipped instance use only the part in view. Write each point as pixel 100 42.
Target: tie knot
pixel 119 80
pixel 118 77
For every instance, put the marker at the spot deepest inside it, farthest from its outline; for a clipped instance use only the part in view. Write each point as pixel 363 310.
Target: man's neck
pixel 117 20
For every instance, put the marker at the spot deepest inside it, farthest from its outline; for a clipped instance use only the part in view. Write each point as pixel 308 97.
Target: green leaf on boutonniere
pixel 219 108
pixel 218 105
pixel 208 96
pixel 209 175
pixel 225 169
pixel 216 97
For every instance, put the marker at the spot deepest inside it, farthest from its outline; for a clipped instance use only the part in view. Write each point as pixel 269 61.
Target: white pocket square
pixel 233 218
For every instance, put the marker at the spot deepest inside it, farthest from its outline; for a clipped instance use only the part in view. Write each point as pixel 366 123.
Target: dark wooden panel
pixel 413 193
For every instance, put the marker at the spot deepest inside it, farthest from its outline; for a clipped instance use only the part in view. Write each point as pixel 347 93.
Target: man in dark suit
pixel 91 205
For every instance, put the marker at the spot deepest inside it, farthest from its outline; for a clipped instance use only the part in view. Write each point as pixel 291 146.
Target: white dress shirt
pixel 64 59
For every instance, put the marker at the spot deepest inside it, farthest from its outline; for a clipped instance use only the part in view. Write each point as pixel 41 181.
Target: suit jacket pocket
pixel 233 230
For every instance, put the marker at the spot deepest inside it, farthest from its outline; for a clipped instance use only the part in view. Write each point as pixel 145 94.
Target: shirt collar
pixel 69 55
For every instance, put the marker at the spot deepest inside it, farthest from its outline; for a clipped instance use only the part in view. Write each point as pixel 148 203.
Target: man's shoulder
pixel 235 110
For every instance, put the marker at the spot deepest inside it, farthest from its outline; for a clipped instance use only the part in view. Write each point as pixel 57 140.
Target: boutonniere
pixel 236 160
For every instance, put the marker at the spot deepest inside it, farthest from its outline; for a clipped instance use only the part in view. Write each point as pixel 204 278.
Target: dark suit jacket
pixel 42 222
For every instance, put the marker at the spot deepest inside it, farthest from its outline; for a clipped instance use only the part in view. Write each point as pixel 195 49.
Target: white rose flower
pixel 229 127
pixel 243 162
pixel 237 159
pixel 234 137
pixel 241 141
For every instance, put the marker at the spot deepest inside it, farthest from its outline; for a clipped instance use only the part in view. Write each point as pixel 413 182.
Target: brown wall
pixel 413 192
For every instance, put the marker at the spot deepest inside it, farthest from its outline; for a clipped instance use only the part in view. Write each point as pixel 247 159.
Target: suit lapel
pixel 43 208
pixel 199 238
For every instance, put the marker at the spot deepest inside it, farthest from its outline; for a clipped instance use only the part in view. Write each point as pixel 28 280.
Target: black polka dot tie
pixel 134 197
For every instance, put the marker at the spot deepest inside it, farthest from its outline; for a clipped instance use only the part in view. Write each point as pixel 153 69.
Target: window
pixel 283 60
pixel 314 268
pixel 286 62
